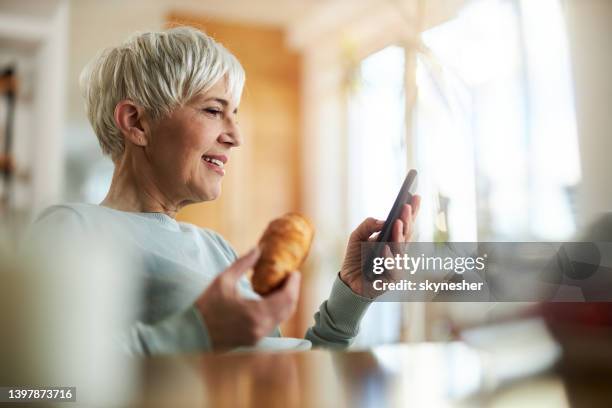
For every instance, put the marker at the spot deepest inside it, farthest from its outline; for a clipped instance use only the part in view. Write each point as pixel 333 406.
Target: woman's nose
pixel 231 135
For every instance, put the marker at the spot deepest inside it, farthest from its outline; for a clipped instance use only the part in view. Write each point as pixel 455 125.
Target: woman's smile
pixel 215 163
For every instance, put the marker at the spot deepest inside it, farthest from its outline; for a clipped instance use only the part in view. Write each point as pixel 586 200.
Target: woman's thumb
pixel 242 264
pixel 367 228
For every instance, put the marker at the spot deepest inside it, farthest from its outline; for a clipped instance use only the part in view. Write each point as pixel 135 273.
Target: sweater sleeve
pixel 337 321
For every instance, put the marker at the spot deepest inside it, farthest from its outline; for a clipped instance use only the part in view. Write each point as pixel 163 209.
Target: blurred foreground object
pixel 61 301
pixel 584 330
pixel 514 350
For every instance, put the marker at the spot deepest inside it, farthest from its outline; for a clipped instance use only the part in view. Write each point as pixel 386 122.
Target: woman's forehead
pixel 219 92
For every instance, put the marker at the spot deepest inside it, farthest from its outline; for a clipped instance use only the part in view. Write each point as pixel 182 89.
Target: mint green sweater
pixel 179 261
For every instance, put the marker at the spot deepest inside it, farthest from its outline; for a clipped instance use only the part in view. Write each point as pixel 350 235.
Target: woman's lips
pixel 214 167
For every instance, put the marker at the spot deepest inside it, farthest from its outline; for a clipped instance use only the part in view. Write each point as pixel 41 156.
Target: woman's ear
pixel 131 121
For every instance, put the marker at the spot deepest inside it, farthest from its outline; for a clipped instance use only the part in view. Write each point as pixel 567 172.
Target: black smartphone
pixel 403 197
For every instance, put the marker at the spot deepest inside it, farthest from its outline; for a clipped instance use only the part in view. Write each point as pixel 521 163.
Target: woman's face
pixel 189 149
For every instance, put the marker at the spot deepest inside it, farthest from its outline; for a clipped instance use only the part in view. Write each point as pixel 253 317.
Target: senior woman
pixel 164 108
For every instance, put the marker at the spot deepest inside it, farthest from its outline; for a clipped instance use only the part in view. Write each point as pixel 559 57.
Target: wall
pixel 36 38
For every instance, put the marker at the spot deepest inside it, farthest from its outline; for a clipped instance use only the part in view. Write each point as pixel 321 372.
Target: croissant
pixel 284 245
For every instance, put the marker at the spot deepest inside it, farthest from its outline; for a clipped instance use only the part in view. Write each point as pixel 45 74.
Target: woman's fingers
pixel 416 205
pixel 374 237
pixel 235 271
pixel 366 228
pixel 392 274
pixel 402 226
pixel 407 220
pixel 282 302
pixel 397 234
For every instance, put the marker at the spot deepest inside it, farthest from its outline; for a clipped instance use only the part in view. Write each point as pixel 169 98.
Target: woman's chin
pixel 210 194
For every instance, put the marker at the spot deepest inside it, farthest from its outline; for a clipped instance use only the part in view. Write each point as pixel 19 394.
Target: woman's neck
pixel 135 191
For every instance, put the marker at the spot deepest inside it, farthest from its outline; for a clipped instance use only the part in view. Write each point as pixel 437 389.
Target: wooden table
pixel 423 375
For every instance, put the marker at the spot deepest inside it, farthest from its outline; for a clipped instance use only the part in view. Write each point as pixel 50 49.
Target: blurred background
pixel 501 105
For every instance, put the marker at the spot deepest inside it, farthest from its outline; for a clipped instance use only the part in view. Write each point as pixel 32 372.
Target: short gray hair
pixel 159 71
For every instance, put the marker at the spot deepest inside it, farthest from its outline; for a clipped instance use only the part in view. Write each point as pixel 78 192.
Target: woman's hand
pixel 233 321
pixel 351 273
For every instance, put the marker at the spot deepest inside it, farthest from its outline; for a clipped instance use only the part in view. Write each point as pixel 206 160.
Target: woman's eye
pixel 214 112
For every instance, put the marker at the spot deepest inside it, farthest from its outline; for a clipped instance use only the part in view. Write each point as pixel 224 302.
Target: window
pixel 377 161
pixel 494 134
pixel 495 123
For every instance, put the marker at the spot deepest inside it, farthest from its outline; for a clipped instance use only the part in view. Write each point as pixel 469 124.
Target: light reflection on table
pixel 429 375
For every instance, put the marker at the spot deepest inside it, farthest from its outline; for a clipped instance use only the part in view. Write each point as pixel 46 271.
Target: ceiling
pixel 309 20
pixel 29 8
pixel 266 12
pixel 284 13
